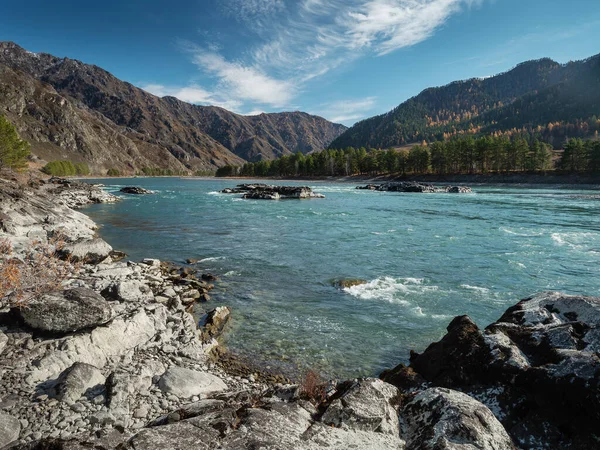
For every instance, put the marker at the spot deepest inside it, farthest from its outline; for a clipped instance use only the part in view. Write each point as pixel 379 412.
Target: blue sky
pixel 342 59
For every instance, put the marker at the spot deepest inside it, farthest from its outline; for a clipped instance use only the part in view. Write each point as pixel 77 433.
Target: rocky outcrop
pixel 271 192
pixel 443 419
pixel 66 311
pixel 412 186
pixel 537 368
pixel 136 190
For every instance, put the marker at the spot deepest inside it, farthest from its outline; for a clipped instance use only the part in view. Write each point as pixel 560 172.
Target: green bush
pixel 60 169
pixel 82 169
pixel 227 171
pixel 65 169
pixel 113 173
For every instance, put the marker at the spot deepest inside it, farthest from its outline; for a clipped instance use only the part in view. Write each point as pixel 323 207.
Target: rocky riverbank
pixel 112 358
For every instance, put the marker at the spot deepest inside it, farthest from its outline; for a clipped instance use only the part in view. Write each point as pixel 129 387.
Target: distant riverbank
pixel 581 180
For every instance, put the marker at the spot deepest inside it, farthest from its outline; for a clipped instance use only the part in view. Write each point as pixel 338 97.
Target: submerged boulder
pixel 348 283
pixel 66 311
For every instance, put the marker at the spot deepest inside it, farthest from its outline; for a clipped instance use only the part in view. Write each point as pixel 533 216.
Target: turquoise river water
pixel 426 257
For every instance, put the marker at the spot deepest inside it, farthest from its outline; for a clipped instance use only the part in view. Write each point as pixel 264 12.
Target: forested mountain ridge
pixel 72 110
pixel 541 98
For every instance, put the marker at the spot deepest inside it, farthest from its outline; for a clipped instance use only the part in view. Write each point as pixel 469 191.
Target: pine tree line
pixel 466 154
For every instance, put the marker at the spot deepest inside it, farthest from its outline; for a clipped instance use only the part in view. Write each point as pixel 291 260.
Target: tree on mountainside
pixel 13 150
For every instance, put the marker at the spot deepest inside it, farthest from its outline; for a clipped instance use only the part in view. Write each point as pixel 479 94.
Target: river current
pixel 426 258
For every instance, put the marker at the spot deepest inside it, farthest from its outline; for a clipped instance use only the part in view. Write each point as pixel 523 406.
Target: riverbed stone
pixel 364 405
pixel 67 311
pixel 90 251
pixel 186 383
pixel 76 380
pixel 10 428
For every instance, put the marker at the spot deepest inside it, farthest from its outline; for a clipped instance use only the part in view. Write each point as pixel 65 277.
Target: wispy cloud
pixel 193 94
pixel 345 111
pixel 244 83
pixel 299 41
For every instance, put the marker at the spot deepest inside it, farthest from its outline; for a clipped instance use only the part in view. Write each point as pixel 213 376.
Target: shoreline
pixel 587 181
pixel 149 381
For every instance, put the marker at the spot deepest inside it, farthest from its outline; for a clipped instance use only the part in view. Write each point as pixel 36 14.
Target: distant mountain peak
pixel 530 95
pixel 143 130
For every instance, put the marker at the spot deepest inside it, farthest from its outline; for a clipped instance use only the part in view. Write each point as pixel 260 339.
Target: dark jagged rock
pixel 348 283
pixel 538 366
pixel 136 190
pixel 412 186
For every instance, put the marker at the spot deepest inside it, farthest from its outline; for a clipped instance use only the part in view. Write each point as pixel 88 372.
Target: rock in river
pixel 136 190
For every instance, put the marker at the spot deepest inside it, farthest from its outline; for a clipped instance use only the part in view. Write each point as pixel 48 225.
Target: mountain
pixel 71 110
pixel 542 97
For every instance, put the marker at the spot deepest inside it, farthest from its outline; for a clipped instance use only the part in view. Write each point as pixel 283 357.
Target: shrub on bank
pixel 65 169
pixel 113 173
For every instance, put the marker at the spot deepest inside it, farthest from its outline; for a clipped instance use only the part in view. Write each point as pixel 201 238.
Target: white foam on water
pixel 475 288
pixel 214 258
pixel 231 273
pixel 390 289
pixel 575 240
pixel 521 233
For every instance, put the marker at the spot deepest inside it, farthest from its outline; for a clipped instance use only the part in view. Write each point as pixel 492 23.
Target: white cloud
pixel 388 25
pixel 245 83
pixel 347 111
pixel 302 40
pixel 193 94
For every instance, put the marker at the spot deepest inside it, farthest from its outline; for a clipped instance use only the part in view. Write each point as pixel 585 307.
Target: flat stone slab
pixel 186 383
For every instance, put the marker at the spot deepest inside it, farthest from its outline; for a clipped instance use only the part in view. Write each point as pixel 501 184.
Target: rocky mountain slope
pixel 71 110
pixel 542 98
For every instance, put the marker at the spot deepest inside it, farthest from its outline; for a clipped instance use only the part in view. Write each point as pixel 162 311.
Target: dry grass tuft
pixel 313 387
pixel 37 272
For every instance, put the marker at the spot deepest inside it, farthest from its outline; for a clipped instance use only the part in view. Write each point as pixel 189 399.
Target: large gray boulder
pixel 90 251
pixel 186 383
pixel 443 419
pixel 365 405
pixel 76 380
pixel 10 429
pixel 67 311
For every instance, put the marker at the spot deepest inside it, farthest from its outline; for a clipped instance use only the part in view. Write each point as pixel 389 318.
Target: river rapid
pixel 425 257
